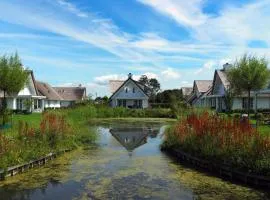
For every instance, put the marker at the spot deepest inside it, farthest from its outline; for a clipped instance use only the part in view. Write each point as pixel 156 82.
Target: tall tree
pixel 144 80
pixel 247 74
pixel 12 77
pixel 152 85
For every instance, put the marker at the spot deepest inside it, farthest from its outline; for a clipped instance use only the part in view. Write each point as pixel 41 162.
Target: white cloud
pixel 72 8
pixel 186 84
pixel 170 74
pixel 187 13
pixel 206 67
pixel 104 80
pixel 148 74
pixel 237 25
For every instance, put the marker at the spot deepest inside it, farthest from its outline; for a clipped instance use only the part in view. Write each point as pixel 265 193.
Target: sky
pixel 89 42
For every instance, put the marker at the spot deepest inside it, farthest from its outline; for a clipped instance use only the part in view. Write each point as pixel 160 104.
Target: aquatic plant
pixel 223 140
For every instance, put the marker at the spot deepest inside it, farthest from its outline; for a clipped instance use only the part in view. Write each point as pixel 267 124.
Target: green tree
pixel 229 95
pixel 152 85
pixel 28 103
pixel 12 78
pixel 144 80
pixel 247 74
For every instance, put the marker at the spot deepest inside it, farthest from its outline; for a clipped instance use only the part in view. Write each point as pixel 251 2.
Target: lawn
pixel 33 119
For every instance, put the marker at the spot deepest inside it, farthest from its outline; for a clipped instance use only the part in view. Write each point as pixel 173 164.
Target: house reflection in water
pixel 132 138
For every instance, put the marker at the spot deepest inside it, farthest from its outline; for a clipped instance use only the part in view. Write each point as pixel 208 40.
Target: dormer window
pixel 126 90
pixel 133 90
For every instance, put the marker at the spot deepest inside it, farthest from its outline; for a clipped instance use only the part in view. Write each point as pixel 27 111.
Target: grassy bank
pixel 221 140
pixel 35 135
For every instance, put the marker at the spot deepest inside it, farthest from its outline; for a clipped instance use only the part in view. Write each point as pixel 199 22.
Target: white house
pixel 200 88
pixel 216 97
pixel 53 99
pixel 186 92
pixel 18 102
pixel 58 97
pixel 130 138
pixel 71 95
pixel 128 94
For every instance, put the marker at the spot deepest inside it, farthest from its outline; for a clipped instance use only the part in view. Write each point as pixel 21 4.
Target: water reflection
pixel 132 138
pixel 107 172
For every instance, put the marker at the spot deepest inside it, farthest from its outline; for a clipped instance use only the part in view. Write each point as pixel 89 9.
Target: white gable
pixel 29 88
pixel 218 87
pixel 130 91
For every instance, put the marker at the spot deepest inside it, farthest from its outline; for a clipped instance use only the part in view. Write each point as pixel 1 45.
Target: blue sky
pixel 71 42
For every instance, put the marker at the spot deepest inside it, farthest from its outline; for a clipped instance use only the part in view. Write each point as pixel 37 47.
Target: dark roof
pixel 203 85
pixel 46 90
pixel 71 93
pixel 223 77
pixel 186 91
pixel 136 82
pixel 137 137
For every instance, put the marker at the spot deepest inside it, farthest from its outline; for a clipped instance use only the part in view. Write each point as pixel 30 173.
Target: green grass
pixel 264 130
pixel 26 140
pixel 33 119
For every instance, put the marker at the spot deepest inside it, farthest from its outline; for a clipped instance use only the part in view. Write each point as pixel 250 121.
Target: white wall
pixel 145 103
pixel 11 103
pixel 121 94
pixel 130 96
pixel 66 103
pixel 262 103
pixel 52 104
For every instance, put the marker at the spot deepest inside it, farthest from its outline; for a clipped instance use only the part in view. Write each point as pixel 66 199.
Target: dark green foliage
pixel 152 86
pixel 101 111
pixel 169 96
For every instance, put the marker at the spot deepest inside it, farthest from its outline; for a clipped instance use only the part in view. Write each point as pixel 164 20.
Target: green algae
pixel 110 172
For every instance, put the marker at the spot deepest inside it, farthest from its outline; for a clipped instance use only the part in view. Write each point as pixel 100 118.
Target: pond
pixel 126 164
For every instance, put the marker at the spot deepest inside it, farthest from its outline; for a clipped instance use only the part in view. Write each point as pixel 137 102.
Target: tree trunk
pixel 4 108
pixel 248 103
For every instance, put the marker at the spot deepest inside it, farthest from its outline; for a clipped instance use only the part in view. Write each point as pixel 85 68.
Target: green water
pixel 126 164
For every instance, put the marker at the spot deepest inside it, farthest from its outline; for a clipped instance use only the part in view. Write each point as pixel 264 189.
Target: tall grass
pixel 35 135
pixel 222 140
pixel 55 133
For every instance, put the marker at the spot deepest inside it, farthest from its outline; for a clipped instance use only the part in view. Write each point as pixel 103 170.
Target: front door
pixel 219 104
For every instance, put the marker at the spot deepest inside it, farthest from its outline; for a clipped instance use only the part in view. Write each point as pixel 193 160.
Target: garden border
pixel 224 171
pixel 12 171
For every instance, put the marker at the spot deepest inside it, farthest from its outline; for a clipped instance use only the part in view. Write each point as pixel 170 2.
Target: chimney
pixel 129 75
pixel 227 66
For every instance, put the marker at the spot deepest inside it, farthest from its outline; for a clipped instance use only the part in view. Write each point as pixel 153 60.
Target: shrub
pixel 223 140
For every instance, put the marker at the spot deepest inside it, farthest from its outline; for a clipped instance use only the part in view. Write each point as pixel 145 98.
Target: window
pixel 133 90
pixel 140 103
pixel 135 103
pixel 36 104
pixel 126 90
pixel 124 103
pixel 213 102
pixel 119 103
pixel 245 103
pixel 19 104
